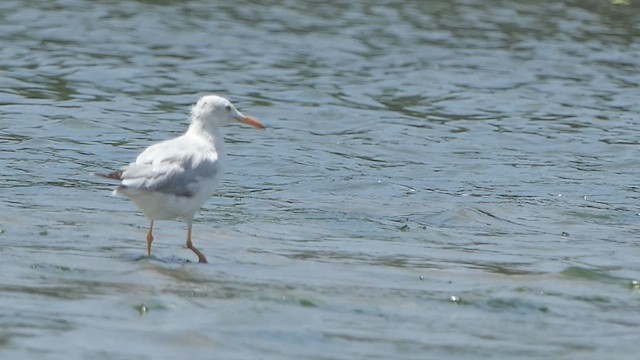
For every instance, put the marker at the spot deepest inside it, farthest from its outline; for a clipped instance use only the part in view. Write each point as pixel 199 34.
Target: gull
pixel 174 178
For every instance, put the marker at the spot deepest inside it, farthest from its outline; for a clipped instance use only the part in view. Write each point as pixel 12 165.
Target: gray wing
pixel 172 167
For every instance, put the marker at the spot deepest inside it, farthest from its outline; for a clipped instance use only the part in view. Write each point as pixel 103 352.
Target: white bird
pixel 174 178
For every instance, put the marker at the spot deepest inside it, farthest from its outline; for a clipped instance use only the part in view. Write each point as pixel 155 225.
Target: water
pixel 438 179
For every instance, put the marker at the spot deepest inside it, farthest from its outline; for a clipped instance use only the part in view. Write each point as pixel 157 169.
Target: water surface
pixel 438 179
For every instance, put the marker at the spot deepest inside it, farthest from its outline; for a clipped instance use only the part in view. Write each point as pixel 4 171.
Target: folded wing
pixel 182 171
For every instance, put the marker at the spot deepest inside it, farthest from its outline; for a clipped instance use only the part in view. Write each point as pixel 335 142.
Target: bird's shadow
pixel 172 260
pixel 177 268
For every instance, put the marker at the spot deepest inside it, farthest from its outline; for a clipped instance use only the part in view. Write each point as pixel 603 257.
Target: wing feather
pixel 174 167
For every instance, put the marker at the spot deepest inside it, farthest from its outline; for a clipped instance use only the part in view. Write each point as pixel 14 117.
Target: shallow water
pixel 438 179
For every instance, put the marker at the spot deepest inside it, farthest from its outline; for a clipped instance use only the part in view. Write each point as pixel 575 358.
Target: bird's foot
pixel 201 258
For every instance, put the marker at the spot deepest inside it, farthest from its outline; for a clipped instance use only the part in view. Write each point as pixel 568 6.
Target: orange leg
pixel 149 238
pixel 201 257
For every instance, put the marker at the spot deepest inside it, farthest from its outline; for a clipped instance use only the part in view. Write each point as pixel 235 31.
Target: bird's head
pixel 217 111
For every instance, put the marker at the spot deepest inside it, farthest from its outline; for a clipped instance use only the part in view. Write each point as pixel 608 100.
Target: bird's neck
pixel 205 129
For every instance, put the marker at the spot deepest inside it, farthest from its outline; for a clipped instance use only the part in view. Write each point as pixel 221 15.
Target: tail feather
pixel 116 175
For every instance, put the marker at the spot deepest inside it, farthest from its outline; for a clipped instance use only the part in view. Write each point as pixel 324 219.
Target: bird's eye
pixel 228 107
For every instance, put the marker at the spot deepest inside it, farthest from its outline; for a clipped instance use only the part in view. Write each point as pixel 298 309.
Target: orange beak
pixel 251 121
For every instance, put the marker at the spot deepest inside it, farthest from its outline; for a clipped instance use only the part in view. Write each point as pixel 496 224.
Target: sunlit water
pixel 439 179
